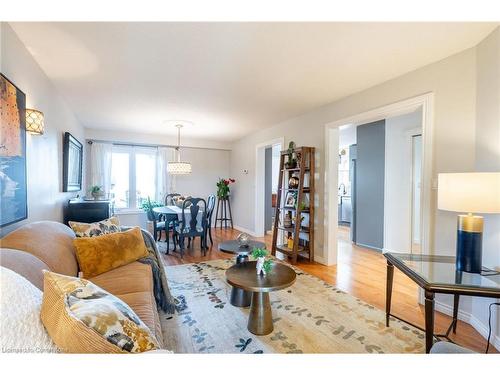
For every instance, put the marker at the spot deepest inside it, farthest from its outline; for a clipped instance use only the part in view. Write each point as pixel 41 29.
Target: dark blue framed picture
pixel 13 190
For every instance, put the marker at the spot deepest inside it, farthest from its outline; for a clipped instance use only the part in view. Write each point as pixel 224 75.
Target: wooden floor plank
pixel 360 272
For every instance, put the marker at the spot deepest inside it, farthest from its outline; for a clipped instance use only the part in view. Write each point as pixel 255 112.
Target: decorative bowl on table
pixel 179 201
pixel 243 239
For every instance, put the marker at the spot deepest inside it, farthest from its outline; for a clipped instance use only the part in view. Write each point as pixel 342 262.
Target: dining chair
pixel 158 224
pixel 169 199
pixel 196 226
pixel 210 211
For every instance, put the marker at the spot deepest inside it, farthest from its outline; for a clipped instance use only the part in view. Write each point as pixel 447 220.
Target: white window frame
pixel 132 188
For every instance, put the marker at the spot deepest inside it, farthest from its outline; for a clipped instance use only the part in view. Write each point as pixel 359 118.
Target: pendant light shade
pixel 178 167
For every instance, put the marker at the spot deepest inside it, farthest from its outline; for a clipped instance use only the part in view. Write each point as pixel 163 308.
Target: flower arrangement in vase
pixel 263 265
pixel 223 187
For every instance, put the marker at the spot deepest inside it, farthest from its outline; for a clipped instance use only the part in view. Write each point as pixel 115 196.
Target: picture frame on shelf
pixel 290 200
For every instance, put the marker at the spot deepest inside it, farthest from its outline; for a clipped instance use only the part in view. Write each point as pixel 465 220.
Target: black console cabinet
pixel 88 211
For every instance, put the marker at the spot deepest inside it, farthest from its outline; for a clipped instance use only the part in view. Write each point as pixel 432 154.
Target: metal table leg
pixel 388 292
pixel 429 320
pixel 240 297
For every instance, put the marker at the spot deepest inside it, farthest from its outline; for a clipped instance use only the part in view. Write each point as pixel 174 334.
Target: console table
pixel 88 211
pixel 438 274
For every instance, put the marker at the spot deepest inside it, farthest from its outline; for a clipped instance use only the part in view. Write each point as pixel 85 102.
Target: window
pixel 120 179
pixel 133 176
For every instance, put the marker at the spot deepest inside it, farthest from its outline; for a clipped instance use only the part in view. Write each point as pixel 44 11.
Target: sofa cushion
pixel 83 318
pixel 100 254
pixel 107 226
pixel 130 278
pixel 21 329
pixel 49 241
pixel 25 264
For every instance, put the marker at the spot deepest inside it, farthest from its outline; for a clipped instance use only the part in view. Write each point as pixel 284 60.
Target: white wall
pixel 44 153
pixel 208 166
pixel 488 160
pixel 398 180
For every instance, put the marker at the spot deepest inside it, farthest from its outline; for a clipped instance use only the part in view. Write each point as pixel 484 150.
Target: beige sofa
pixel 49 245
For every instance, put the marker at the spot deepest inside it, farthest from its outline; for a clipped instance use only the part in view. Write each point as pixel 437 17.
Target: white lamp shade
pixel 469 192
pixel 178 167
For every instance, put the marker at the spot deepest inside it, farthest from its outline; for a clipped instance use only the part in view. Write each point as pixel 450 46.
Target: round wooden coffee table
pixel 244 276
pixel 240 297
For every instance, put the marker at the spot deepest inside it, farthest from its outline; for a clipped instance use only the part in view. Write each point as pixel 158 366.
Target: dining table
pixel 173 214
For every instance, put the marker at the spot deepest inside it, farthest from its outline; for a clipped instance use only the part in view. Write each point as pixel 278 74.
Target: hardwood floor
pixel 360 272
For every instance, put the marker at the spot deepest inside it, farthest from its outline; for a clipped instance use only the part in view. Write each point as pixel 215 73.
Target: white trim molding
pixel 246 230
pixel 424 101
pixel 260 179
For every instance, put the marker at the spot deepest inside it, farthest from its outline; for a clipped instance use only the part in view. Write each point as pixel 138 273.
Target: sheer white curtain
pixel 100 165
pixel 163 180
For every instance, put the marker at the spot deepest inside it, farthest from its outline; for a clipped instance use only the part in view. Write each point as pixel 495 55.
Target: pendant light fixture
pixel 178 167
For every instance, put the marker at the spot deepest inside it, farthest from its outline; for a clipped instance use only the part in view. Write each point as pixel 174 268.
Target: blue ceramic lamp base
pixel 469 243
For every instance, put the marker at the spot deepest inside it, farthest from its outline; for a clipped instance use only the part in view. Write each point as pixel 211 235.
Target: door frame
pixel 260 175
pixel 426 102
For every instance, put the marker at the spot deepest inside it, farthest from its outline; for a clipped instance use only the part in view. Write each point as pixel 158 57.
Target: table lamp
pixel 469 193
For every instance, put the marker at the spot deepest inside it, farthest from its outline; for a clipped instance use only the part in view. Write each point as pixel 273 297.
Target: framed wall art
pixel 72 163
pixel 13 189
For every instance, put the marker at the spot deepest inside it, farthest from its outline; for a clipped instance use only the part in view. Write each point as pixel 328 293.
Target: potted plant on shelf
pixel 97 192
pixel 291 161
pixel 223 187
pixel 263 265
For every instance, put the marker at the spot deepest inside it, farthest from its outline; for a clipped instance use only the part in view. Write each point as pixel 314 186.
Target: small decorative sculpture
pixel 263 265
pixel 243 239
pixel 260 266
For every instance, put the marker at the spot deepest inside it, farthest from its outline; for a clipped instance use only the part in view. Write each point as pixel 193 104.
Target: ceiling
pixel 229 79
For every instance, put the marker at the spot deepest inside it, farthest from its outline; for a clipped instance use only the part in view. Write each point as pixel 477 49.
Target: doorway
pixel 416 145
pixel 261 202
pixel 272 164
pixel 424 104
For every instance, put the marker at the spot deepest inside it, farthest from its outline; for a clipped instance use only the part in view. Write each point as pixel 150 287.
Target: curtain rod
pixel 152 145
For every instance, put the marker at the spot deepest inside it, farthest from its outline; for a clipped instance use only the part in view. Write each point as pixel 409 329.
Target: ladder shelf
pixel 295 203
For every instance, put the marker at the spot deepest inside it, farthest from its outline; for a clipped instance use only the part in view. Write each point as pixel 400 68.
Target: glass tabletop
pixel 442 270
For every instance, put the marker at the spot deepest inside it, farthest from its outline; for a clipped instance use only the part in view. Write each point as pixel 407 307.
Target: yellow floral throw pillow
pixel 111 225
pixel 80 317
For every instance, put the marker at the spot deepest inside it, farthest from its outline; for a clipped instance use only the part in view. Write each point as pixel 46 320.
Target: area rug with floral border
pixel 311 316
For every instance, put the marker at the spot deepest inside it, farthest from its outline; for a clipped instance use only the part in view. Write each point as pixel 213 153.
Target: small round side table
pixel 244 276
pixel 240 297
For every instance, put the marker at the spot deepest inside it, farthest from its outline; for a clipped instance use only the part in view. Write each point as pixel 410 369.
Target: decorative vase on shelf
pixel 260 266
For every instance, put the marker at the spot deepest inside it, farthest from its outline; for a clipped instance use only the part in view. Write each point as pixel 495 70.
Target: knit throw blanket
pixel 162 294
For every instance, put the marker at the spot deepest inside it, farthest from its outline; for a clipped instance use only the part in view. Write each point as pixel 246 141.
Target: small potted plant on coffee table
pixel 263 265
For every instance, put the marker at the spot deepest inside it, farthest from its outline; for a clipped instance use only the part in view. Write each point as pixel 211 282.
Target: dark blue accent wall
pixel 370 166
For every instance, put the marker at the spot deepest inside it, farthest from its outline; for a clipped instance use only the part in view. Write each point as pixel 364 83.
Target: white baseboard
pixel 250 232
pixel 471 319
pixel 320 260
